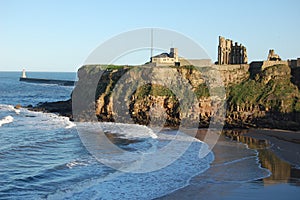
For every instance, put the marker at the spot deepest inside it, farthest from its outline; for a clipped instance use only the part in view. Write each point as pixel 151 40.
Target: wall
pixel 195 62
pixel 294 63
pixel 166 61
pixel 258 66
pixel 233 74
pixel 269 63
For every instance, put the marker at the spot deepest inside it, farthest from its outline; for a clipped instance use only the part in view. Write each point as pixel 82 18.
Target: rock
pixel 270 100
pixel 63 108
pixel 18 106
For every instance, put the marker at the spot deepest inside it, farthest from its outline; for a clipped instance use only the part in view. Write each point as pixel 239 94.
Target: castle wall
pixel 258 66
pixel 294 63
pixel 269 63
pixel 233 74
pixel 195 62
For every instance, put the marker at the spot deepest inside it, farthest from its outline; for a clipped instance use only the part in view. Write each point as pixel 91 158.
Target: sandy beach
pixel 277 151
pixel 286 144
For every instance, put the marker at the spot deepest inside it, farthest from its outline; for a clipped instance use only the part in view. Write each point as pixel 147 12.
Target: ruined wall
pixel 231 53
pixel 258 66
pixel 233 74
pixel 294 63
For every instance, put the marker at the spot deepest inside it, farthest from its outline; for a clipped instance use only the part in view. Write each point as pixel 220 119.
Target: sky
pixel 59 35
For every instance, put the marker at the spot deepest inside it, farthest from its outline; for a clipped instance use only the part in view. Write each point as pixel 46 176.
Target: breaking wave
pixel 6 120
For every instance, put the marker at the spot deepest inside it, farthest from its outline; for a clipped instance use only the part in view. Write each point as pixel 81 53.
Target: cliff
pixel 156 95
pixel 268 100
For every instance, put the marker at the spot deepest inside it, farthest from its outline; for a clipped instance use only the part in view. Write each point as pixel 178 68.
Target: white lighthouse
pixel 23 74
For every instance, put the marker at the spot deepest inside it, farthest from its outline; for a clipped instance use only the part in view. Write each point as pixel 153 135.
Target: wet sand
pixel 278 151
pixel 285 144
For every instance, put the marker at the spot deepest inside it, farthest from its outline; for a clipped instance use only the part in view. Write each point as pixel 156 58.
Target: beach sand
pixel 278 151
pixel 286 144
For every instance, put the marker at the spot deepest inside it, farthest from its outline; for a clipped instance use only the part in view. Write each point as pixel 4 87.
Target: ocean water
pixel 42 155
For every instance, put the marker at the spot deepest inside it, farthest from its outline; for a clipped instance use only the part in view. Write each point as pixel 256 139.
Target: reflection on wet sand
pixel 282 172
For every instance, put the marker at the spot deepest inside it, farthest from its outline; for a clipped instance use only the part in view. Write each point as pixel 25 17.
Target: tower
pixel 174 54
pixel 231 53
pixel 23 74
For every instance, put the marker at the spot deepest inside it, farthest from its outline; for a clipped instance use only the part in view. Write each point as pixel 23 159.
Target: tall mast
pixel 151 43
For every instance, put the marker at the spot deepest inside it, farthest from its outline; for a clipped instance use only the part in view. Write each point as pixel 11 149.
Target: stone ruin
pixel 273 56
pixel 230 53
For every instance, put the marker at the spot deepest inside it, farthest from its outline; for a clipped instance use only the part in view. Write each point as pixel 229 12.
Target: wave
pixel 75 163
pixel 10 108
pixel 125 131
pixel 17 111
pixel 66 121
pixel 6 120
pixel 52 119
pixel 148 185
pixel 70 125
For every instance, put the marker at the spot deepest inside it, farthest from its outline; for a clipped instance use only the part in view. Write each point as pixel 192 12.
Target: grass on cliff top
pixel 91 69
pixel 153 90
pixel 272 89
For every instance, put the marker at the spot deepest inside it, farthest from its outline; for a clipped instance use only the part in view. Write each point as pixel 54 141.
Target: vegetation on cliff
pixel 271 90
pixel 268 99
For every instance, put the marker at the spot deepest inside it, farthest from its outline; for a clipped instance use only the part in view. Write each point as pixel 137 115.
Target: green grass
pixel 271 88
pixel 153 90
pixel 202 91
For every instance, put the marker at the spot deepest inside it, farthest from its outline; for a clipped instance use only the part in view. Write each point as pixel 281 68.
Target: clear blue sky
pixel 58 35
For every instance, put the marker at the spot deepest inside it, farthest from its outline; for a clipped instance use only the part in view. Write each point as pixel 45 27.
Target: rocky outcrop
pixel 269 100
pixel 172 96
pixel 63 108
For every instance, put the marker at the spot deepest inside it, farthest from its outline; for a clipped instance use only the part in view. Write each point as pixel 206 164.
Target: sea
pixel 42 155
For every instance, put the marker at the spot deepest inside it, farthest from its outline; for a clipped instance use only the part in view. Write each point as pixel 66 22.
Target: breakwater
pixel 48 81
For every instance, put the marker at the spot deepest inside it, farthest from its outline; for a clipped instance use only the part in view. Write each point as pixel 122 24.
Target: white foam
pixel 51 120
pixel 17 111
pixel 75 163
pixel 11 107
pixel 127 131
pixel 140 185
pixel 6 120
pixel 70 125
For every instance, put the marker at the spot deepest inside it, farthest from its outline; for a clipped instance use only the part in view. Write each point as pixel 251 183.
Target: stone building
pixel 230 53
pixel 173 59
pixel 272 56
pixel 273 59
pixel 294 63
pixel 166 59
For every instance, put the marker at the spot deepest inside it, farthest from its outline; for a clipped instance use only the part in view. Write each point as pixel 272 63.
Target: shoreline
pixel 64 108
pixel 281 138
pixel 285 151
pixel 285 144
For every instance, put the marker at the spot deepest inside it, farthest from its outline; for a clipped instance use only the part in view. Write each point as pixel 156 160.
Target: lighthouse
pixel 23 74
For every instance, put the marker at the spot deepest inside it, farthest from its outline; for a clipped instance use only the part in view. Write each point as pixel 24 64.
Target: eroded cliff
pixel 167 96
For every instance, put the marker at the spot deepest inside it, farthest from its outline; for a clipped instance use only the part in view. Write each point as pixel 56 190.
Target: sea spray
pixel 6 120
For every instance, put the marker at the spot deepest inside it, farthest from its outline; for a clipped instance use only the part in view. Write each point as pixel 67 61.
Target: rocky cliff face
pixel 267 100
pixel 169 96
